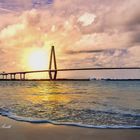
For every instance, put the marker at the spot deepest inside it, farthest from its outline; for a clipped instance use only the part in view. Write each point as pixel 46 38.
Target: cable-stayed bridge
pixel 53 70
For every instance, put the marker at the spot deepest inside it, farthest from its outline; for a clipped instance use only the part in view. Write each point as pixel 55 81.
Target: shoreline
pixel 39 121
pixel 70 80
pixel 15 130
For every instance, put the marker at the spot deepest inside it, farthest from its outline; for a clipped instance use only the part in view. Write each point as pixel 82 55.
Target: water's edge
pixel 39 121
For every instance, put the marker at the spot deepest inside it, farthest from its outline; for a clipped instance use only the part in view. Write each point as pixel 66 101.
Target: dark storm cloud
pixel 107 52
pixel 84 51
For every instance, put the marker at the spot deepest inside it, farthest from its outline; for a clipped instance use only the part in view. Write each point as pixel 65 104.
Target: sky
pixel 85 33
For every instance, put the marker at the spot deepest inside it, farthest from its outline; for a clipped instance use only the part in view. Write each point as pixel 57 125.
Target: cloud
pixel 84 51
pixel 87 19
pixel 85 33
pixel 21 5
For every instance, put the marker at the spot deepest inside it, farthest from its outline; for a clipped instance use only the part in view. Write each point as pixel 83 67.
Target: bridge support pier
pixel 12 76
pixel 22 76
pixel 53 72
pixel 5 76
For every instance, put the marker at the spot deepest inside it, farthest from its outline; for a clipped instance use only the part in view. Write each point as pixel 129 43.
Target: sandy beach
pixel 15 130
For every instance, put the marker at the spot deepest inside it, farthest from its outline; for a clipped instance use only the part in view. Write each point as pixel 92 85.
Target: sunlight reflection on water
pixel 86 102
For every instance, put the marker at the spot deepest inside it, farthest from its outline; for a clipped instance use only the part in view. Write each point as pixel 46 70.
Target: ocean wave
pixel 7 113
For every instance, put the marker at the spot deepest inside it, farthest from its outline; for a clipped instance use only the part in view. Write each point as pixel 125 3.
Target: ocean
pixel 94 104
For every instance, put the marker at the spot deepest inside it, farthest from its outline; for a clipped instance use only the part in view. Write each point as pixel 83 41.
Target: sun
pixel 36 59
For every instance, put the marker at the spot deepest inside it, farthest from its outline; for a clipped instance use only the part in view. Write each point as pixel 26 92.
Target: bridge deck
pixel 74 69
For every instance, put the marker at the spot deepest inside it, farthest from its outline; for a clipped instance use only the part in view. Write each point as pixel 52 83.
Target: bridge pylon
pixel 52 65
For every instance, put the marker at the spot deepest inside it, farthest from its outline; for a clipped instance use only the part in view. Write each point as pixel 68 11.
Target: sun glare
pixel 37 59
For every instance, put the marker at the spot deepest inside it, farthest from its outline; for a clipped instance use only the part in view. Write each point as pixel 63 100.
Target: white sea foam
pixel 37 120
pixel 6 126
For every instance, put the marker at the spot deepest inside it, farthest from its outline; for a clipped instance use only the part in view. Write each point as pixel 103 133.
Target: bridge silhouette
pixel 53 70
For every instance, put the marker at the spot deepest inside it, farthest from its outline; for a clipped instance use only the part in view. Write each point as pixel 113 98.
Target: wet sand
pixel 15 130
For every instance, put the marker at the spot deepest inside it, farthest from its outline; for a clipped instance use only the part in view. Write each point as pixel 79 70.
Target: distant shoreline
pixel 71 80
